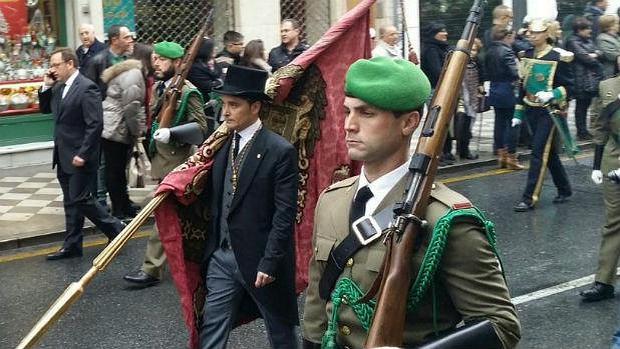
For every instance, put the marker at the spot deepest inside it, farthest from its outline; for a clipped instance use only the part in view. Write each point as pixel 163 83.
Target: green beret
pixel 169 49
pixel 388 83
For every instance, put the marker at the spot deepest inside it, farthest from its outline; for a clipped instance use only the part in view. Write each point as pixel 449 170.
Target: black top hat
pixel 244 82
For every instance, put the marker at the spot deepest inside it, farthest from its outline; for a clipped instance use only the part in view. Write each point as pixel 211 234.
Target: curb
pixel 46 237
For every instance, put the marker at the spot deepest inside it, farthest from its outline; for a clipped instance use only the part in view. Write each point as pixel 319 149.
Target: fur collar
pixel 115 70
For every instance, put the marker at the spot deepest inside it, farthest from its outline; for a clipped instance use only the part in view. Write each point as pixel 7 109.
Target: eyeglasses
pixel 56 65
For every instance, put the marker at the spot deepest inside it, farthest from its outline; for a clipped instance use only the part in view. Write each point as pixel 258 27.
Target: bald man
pixel 386 46
pixel 90 45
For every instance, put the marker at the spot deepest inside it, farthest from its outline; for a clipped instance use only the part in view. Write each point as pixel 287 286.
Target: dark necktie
pixel 160 89
pixel 359 204
pixel 236 149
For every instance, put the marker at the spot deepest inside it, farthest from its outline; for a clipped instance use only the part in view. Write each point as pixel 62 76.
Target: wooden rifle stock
pixel 388 322
pixel 174 91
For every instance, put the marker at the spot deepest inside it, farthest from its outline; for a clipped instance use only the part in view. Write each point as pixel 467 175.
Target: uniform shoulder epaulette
pixel 449 197
pixel 565 56
pixel 342 184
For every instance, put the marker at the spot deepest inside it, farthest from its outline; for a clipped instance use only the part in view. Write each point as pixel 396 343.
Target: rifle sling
pixel 339 255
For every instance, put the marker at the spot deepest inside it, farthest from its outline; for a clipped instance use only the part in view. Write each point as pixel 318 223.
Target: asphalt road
pixel 540 249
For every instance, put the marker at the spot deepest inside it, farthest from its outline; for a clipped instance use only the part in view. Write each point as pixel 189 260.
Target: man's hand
pixel 263 279
pixel 544 96
pixel 597 177
pixel 515 122
pixel 78 161
pixel 162 135
pixel 49 78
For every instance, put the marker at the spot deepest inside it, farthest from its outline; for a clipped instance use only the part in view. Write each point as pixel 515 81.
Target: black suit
pixel 261 224
pixel 78 121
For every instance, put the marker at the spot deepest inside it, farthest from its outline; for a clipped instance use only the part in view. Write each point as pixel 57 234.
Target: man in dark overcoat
pixel 253 202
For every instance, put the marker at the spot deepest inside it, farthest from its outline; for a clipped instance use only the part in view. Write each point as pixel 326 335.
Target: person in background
pixel 501 70
pixel 549 68
pixel 75 102
pixel 373 38
pixel 387 44
pixel 90 47
pixel 588 73
pixel 143 53
pixel 231 53
pixel 291 46
pixel 123 124
pixel 471 92
pixel 502 17
pixel 435 47
pixel 608 42
pixel 205 75
pixel 593 12
pixel 254 56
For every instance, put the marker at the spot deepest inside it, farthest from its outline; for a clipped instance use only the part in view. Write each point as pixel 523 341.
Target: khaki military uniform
pixel 470 281
pixel 607 133
pixel 169 156
pixel 166 158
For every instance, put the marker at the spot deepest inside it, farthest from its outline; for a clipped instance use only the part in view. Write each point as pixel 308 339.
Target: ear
pixel 410 122
pixel 255 107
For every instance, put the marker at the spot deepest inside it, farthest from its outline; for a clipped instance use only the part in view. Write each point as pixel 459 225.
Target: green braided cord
pixel 348 292
pixel 180 115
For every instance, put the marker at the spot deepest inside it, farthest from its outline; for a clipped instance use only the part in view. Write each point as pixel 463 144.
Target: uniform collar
pixel 381 186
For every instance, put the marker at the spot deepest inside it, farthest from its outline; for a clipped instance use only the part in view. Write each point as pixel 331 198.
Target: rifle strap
pixel 339 256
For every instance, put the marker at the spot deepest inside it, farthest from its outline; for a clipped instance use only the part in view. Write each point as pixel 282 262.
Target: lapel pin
pixel 258 156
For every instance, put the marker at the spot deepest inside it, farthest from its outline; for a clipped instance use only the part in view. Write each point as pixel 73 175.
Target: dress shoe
pixel 584 136
pixel 64 253
pixel 598 292
pixel 468 156
pixel 523 207
pixel 141 278
pixel 560 199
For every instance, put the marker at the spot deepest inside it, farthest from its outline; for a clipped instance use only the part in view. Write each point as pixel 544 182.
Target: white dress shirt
pixel 69 82
pixel 247 133
pixel 381 186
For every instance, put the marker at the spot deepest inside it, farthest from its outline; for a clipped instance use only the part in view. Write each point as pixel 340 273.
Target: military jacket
pixel 470 286
pixel 606 129
pixel 548 70
pixel 168 156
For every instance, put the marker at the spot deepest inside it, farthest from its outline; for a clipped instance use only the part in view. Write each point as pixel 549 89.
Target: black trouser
pixel 504 135
pixel 78 190
pixel 542 124
pixel 462 130
pixel 117 156
pixel 581 114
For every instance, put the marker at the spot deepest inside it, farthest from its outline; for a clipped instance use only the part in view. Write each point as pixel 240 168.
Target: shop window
pixel 28 34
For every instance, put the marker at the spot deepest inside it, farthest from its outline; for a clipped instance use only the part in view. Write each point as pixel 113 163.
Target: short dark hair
pixel 295 23
pixel 114 32
pixel 67 55
pixel 581 23
pixel 499 32
pixel 232 36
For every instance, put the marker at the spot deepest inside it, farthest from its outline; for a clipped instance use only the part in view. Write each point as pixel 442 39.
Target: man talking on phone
pixel 75 103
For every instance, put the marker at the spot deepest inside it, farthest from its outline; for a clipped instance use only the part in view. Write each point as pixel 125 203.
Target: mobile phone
pixel 52 76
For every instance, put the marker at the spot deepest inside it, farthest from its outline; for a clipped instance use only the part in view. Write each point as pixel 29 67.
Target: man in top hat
pixel 249 257
pixel 383 104
pixel 165 155
pixel 547 81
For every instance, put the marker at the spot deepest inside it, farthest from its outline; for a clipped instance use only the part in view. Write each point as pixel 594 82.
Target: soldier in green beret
pixel 383 104
pixel 165 155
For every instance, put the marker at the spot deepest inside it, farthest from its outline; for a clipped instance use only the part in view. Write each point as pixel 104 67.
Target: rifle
pixel 174 91
pixel 388 322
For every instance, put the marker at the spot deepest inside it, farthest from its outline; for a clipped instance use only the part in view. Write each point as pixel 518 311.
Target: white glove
pixel 597 177
pixel 544 96
pixel 516 122
pixel 162 135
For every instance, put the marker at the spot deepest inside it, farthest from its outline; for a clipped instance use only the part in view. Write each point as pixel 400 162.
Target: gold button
pixel 344 299
pixel 316 250
pixel 350 262
pixel 434 186
pixel 345 330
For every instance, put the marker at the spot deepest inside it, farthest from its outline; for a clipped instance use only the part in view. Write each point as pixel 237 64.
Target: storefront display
pixel 27 37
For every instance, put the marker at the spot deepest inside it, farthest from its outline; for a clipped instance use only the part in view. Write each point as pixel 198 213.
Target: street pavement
pixel 541 249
